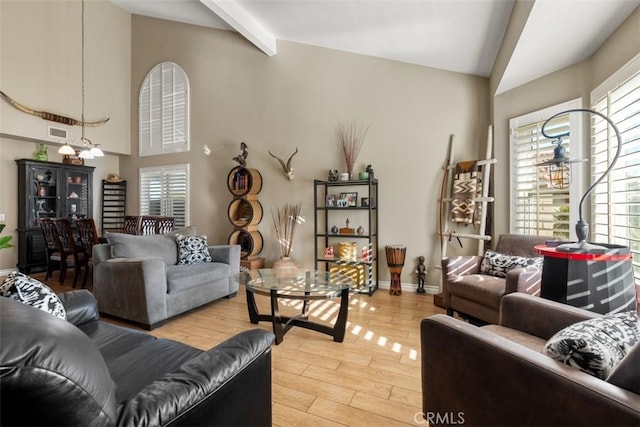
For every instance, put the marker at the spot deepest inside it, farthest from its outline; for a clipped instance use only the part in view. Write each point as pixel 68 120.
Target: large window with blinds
pixel 537 206
pixel 164 191
pixel 615 202
pixel 163 111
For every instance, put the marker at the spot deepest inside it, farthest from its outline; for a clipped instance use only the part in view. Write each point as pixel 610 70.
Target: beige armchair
pixel 477 296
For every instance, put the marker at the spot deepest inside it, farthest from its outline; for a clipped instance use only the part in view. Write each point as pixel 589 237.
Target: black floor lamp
pixel 582 227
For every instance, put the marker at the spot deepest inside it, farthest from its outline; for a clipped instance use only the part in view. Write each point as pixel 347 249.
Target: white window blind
pixel 164 111
pixel 615 202
pixel 164 191
pixel 537 208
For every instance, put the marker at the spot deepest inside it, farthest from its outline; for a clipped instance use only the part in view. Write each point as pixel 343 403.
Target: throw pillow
pixel 497 264
pixel 192 249
pixel 596 346
pixel 30 291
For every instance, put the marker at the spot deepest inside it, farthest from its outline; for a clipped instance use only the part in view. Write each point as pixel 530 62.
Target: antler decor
pixel 50 116
pixel 287 168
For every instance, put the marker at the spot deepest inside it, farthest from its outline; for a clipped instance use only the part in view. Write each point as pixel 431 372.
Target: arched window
pixel 163 107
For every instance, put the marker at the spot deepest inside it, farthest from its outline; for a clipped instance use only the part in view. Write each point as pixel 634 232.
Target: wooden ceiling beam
pixel 244 23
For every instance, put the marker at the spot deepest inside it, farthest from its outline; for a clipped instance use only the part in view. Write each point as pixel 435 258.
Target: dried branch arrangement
pixel 351 136
pixel 285 221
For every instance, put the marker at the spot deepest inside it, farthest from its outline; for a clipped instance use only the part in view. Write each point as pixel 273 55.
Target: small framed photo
pixel 364 202
pixel 331 200
pixel 342 202
pixel 351 198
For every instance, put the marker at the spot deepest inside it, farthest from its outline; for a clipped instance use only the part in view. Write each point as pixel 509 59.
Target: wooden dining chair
pixel 148 225
pixel 131 224
pixel 165 224
pixel 88 235
pixel 71 254
pixel 52 246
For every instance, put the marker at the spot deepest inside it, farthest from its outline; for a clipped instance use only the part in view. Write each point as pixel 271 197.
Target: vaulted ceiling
pixel 455 35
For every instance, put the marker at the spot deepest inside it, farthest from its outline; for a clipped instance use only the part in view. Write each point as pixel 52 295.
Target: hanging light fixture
pixel 89 150
pixel 559 166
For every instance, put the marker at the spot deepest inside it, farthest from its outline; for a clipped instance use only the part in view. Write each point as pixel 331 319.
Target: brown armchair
pixel 477 296
pixel 497 375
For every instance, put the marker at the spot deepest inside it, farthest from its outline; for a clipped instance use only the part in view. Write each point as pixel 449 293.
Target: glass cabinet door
pixel 44 203
pixel 76 194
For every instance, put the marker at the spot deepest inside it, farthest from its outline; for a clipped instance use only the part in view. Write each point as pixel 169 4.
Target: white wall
pixel 40 58
pixel 576 81
pixel 40 68
pixel 296 99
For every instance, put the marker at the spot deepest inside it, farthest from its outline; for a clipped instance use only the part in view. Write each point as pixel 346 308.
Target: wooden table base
pixel 282 324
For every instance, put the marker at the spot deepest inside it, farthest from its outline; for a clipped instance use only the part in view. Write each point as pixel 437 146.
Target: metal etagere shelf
pixel 357 206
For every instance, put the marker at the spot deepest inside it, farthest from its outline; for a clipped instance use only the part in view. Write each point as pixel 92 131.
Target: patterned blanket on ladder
pixel 466 187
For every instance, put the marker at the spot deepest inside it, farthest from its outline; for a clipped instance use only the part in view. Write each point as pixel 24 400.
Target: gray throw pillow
pixel 596 346
pixel 151 246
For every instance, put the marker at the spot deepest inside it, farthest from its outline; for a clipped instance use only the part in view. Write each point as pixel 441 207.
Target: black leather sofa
pixel 86 372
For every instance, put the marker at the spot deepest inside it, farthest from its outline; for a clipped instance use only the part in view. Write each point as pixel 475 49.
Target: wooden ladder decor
pixel 478 173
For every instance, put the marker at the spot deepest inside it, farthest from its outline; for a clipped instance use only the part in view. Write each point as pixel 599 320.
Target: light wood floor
pixel 372 378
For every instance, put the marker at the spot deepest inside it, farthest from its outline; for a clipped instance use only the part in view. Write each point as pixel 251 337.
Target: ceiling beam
pixel 244 23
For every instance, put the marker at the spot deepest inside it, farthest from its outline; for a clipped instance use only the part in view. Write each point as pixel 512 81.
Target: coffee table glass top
pixel 295 282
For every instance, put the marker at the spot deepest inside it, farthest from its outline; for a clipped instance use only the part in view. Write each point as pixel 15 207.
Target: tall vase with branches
pixel 351 137
pixel 285 221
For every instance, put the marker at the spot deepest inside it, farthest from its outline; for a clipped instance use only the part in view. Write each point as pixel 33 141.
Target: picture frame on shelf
pixel 351 198
pixel 342 202
pixel 331 200
pixel 365 202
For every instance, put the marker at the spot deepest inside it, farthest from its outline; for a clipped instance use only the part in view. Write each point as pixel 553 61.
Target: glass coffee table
pixel 304 285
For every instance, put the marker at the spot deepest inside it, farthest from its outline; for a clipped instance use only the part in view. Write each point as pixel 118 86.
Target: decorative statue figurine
pixel 242 157
pixel 333 175
pixel 369 169
pixel 287 168
pixel 421 273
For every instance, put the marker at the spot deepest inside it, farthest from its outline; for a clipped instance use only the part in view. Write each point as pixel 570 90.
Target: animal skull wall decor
pixel 287 168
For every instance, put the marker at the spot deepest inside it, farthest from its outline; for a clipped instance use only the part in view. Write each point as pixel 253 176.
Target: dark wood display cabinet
pixel 48 190
pixel 346 230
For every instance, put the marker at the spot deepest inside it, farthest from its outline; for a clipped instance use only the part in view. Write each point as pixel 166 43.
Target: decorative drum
pixel 395 262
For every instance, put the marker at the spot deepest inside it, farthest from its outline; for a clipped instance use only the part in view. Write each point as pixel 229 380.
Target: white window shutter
pixel 615 202
pixel 164 190
pixel 537 208
pixel 163 107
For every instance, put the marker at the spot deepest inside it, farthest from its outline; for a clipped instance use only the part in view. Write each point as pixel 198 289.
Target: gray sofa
pixel 137 278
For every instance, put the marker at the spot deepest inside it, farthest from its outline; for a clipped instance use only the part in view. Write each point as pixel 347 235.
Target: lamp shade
pixel 85 154
pixel 96 151
pixel 66 149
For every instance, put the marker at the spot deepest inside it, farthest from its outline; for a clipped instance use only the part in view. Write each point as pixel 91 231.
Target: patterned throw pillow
pixel 30 291
pixel 192 249
pixel 497 264
pixel 596 346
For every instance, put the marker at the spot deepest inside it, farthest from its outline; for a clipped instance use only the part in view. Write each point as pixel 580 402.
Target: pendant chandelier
pixel 89 149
